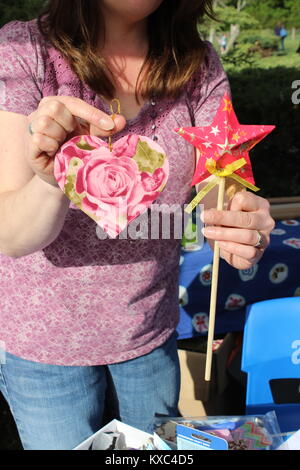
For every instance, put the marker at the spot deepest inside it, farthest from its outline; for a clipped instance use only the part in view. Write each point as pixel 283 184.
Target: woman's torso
pixel 83 300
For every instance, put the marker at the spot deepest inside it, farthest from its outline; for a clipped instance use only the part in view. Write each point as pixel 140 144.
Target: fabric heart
pixel 115 186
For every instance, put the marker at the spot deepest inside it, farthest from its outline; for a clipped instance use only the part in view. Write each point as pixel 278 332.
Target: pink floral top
pixel 83 300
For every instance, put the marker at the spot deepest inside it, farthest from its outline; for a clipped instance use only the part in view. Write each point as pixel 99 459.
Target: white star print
pixel 207 144
pixel 215 130
pixel 226 147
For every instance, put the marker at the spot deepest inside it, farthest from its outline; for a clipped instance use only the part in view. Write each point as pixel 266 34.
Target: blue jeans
pixel 57 407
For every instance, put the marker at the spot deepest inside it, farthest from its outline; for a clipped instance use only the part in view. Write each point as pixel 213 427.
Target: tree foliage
pixel 270 12
pixel 253 14
pixel 231 15
pixel 19 10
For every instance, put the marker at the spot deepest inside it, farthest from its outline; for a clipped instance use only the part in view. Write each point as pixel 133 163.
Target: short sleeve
pixel 209 86
pixel 21 67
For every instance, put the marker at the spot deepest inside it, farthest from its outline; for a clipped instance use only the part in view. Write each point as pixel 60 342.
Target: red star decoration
pixel 225 141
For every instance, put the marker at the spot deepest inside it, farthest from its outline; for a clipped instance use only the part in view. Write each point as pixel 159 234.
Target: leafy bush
pixel 265 42
pixel 263 96
pixel 239 56
pixel 265 38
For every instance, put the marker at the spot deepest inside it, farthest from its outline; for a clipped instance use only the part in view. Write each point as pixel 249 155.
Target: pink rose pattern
pixel 115 190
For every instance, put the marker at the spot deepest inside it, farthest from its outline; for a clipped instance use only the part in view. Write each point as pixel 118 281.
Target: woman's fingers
pixel 247 252
pixel 238 259
pixel 246 210
pixel 246 201
pixel 44 125
pixel 239 219
pixel 56 110
pixel 239 228
pixel 119 122
pixel 46 144
pixel 236 235
pixel 103 123
pixel 60 117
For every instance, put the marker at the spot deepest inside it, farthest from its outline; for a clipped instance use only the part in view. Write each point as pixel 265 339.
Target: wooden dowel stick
pixel 214 289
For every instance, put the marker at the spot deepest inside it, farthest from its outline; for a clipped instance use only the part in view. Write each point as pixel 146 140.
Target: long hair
pixel 175 47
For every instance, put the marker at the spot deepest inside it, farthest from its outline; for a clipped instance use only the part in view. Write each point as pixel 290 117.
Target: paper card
pixel 160 444
pixel 134 438
pixel 192 439
pixel 292 443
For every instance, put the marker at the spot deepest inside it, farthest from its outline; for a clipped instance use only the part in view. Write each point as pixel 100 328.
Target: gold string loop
pixel 115 100
pixel 113 115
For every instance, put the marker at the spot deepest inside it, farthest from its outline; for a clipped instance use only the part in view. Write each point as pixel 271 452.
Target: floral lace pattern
pixel 83 300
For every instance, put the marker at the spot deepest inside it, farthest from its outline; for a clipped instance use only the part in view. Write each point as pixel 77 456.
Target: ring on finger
pixel 260 243
pixel 30 130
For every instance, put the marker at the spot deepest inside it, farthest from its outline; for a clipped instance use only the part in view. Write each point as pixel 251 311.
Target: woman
pixel 81 316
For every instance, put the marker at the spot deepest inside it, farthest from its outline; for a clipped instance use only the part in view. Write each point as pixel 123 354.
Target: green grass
pixel 289 58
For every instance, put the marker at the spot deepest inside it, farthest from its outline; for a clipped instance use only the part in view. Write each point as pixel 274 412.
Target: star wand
pixel 224 153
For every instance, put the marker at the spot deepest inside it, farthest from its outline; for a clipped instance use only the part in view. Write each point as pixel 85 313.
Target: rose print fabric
pixel 86 299
pixel 113 185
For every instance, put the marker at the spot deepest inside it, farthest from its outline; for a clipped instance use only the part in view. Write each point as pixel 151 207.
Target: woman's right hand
pixel 54 122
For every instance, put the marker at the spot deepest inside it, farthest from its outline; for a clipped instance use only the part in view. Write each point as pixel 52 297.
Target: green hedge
pixel 264 96
pixel 265 43
pixel 266 40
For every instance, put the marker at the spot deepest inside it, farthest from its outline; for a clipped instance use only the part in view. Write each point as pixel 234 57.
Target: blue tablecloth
pixel 276 275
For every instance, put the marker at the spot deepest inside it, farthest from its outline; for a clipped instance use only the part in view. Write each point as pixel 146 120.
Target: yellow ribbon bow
pixel 218 172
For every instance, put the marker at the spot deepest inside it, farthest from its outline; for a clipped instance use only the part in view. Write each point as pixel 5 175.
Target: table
pixel 276 275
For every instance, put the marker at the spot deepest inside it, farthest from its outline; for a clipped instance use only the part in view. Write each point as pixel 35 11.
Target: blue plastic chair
pixel 271 351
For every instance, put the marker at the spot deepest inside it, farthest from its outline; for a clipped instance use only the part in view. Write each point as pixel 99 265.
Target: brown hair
pixel 175 47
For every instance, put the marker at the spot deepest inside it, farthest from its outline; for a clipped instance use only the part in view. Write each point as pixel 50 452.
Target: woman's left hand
pixel 238 229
